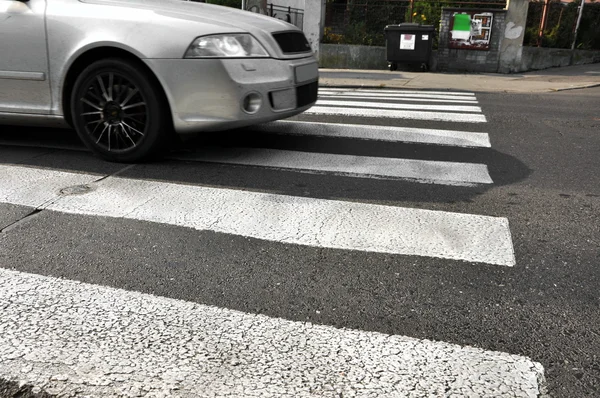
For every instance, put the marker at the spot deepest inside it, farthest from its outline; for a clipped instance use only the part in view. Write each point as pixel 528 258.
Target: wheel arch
pixel 90 55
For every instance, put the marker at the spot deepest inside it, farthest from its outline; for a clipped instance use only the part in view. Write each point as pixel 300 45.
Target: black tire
pixel 393 66
pixel 119 112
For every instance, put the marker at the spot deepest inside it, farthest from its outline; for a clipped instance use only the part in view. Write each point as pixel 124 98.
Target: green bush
pixel 560 25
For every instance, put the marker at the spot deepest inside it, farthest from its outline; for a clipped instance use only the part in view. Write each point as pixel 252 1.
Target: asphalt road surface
pixel 385 243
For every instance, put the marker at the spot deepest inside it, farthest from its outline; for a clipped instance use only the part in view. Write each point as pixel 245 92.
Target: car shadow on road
pixel 61 149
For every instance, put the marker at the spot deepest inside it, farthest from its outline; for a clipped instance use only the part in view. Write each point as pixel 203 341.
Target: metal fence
pixel 295 16
pixel 363 21
pixel 552 24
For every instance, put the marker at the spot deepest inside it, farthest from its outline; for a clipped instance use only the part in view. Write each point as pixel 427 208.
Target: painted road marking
pixel 34 187
pixel 278 218
pixel 87 340
pixel 411 99
pixel 426 92
pixel 427 171
pixel 387 105
pixel 395 114
pixel 377 133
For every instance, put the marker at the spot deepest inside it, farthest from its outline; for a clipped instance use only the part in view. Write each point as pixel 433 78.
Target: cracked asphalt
pixel 544 161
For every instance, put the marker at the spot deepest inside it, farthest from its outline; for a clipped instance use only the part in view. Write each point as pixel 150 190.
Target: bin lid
pixel 409 27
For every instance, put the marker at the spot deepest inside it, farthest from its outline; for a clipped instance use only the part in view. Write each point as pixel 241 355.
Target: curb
pixel 386 87
pixel 577 87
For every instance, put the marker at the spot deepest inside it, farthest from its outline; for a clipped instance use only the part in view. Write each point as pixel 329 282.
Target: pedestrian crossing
pixel 369 103
pixel 308 221
pixel 423 171
pixel 234 352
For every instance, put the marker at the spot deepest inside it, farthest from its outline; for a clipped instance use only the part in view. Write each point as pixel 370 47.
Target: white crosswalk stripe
pixel 428 171
pixel 386 105
pixel 400 96
pixel 379 133
pixel 396 114
pixel 101 341
pixel 394 91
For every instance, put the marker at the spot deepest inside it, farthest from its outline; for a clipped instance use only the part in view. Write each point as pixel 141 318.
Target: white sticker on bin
pixel 407 42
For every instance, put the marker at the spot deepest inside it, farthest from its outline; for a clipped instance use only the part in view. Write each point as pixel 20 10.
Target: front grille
pixel 292 42
pixel 306 94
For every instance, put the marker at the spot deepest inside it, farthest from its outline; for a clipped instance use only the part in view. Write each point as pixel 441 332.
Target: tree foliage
pixel 560 25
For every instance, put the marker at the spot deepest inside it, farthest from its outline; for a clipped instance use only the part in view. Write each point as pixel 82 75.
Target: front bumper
pixel 208 94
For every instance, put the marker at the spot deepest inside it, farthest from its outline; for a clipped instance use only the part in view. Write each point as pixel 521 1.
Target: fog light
pixel 252 103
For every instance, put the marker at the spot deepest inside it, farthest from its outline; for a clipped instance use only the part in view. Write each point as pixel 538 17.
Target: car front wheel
pixel 119 112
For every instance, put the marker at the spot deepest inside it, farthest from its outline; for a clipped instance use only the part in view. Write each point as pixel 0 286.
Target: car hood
pixel 226 17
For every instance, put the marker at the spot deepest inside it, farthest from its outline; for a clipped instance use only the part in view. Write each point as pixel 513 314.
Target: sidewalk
pixel 555 79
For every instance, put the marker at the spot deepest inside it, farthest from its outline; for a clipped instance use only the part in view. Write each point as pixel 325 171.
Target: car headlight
pixel 235 45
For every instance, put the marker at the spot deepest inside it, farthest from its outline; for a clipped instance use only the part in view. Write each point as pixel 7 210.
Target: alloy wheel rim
pixel 114 112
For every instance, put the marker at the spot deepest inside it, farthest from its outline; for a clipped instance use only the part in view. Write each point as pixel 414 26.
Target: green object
pixel 462 22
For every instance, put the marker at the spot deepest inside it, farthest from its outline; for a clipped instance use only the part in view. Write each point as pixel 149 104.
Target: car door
pixel 24 85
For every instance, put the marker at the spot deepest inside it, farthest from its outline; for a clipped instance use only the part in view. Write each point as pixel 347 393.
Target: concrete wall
pixel 314 20
pixel 544 58
pixel 344 56
pixel 466 60
pixel 511 48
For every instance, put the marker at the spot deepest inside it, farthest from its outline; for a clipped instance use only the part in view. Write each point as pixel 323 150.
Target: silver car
pixel 129 74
